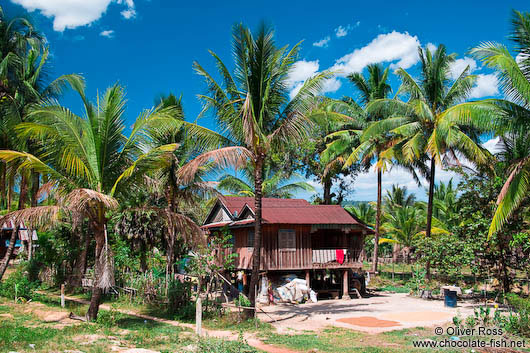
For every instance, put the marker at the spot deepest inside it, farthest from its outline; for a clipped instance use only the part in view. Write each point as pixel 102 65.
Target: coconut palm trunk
pixel 256 258
pixel 327 190
pixel 429 211
pixel 377 220
pixel 99 235
pixel 9 251
pixel 14 233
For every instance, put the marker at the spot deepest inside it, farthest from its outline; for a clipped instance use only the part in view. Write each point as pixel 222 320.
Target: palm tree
pixel 509 116
pixel 351 149
pixel 19 48
pixel 166 183
pixel 274 184
pixel 402 228
pixel 90 161
pixel 423 127
pixel 399 197
pixel 254 113
pixel 364 211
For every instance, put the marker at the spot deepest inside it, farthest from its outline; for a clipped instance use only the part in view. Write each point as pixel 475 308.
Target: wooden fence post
pixel 198 316
pixel 62 295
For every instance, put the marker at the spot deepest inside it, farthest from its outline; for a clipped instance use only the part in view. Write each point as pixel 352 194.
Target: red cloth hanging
pixel 340 255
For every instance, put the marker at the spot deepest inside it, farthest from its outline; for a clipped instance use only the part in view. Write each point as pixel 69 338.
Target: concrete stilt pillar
pixel 308 278
pixel 345 287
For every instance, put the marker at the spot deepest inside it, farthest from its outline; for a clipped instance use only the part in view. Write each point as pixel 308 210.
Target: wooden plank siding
pixel 273 258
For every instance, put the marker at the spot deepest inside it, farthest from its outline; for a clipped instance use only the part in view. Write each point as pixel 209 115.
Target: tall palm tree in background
pixel 88 160
pixel 346 143
pixel 422 127
pixel 364 211
pixel 402 228
pixel 509 116
pixel 181 197
pixel 254 113
pixel 399 197
pixel 274 184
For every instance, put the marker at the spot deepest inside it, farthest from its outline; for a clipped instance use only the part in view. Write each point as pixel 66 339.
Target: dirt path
pixel 251 339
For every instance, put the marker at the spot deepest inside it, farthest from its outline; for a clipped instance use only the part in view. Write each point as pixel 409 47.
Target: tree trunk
pixel 99 234
pixel 80 265
pixel 143 257
pixel 429 212
pixel 35 180
pixel 9 251
pixel 10 190
pixel 14 233
pixel 377 221
pixel 327 190
pixel 3 185
pixel 171 199
pixel 256 255
pixel 23 195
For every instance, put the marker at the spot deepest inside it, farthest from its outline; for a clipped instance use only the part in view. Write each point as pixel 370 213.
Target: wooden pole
pixel 198 316
pixel 345 289
pixel 62 295
pixel 308 278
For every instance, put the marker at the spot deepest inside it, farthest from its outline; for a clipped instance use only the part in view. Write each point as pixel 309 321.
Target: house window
pixel 250 239
pixel 287 239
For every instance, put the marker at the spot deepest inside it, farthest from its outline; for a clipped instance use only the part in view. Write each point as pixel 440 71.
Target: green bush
pixel 518 322
pixel 18 284
pixel 109 318
pixel 179 296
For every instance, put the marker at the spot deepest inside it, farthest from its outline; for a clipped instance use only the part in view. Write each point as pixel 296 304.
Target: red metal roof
pixel 234 203
pixel 290 211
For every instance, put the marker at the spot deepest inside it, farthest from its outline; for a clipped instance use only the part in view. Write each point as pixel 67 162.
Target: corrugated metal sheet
pixel 290 211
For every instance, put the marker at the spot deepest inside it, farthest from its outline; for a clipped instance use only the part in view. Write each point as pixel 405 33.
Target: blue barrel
pixel 450 298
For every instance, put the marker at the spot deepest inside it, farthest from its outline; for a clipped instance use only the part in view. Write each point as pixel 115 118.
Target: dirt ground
pixel 385 312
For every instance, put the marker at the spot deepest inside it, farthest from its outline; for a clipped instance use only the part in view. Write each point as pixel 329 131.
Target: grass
pixel 22 331
pixel 232 322
pixel 339 340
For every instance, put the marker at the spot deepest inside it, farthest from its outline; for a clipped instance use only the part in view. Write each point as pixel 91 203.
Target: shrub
pixel 109 318
pixel 518 321
pixel 18 284
pixel 179 296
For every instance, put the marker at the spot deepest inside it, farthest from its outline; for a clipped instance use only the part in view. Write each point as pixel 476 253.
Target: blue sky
pixel 149 45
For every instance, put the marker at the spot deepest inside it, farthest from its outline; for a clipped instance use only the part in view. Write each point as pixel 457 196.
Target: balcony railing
pixel 331 257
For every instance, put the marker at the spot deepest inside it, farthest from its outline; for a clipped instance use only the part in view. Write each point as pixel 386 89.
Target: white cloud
pixel 487 85
pixel 341 31
pixel 432 47
pixel 129 13
pixel 399 48
pixel 73 13
pixel 322 43
pixel 331 85
pixel 492 145
pixel 301 71
pixel 108 33
pixel 459 65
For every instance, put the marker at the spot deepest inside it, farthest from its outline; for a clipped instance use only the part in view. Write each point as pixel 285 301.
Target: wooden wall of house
pixel 274 258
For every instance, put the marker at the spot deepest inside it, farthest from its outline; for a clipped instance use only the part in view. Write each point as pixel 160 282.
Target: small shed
pixel 322 242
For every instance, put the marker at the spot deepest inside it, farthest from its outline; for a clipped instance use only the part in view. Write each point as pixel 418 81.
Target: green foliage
pixel 209 345
pixel 417 282
pixel 18 284
pixel 518 321
pixel 180 304
pixel 109 318
pixel 242 300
